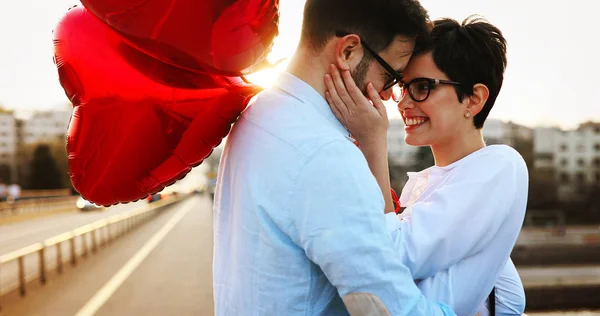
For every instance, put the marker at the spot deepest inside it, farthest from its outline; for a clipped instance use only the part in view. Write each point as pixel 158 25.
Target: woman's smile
pixel 414 122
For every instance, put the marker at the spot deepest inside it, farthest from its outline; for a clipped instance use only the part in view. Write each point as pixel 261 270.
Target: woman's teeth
pixel 415 121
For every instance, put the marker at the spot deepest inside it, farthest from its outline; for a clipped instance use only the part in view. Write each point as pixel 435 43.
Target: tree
pixel 23 161
pixel 45 173
pixel 593 202
pixel 398 176
pixel 525 148
pixel 585 210
pixel 543 189
pixel 422 159
pixel 5 174
pixel 58 151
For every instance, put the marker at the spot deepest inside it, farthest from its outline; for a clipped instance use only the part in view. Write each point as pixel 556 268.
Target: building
pixel 8 146
pixel 508 133
pixel 8 137
pixel 47 126
pixel 574 156
pixel 16 134
pixel 494 132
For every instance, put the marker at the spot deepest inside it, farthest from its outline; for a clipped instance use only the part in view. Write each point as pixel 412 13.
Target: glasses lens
pixel 419 89
pixel 397 91
pixel 403 90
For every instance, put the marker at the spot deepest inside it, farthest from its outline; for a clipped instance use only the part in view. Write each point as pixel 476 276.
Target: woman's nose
pixel 405 103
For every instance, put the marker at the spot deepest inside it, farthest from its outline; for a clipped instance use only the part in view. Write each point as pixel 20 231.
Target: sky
pixel 551 79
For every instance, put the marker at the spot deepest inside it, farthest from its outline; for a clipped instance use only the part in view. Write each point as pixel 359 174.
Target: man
pixel 299 223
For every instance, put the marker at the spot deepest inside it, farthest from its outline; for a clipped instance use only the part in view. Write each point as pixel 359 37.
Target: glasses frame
pixel 395 76
pixel 432 84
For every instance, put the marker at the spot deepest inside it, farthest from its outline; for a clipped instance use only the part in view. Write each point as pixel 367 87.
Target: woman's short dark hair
pixel 470 53
pixel 375 21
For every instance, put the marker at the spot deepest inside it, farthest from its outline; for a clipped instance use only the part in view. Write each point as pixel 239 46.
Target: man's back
pixel 256 263
pixel 299 217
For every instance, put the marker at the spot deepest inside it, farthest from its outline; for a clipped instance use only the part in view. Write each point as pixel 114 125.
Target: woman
pixel 463 215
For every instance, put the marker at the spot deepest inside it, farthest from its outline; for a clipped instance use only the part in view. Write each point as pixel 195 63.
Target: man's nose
pixel 385 94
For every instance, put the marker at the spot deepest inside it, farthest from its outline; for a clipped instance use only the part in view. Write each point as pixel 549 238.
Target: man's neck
pixel 307 66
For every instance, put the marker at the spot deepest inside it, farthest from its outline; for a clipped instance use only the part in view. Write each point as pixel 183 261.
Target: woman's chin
pixel 415 141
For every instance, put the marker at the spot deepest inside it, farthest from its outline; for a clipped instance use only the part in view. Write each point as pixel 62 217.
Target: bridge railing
pixel 16 270
pixel 33 206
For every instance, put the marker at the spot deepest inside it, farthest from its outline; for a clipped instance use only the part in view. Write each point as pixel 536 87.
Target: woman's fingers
pixel 340 87
pixel 376 99
pixel 355 93
pixel 334 99
pixel 333 107
pixel 348 103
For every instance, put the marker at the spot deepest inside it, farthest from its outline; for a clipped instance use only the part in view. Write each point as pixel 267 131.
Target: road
pixel 174 278
pixel 26 233
pixel 164 268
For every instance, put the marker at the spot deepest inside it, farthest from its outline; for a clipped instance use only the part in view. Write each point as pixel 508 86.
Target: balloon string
pixel 124 11
pixel 163 20
pixel 396 200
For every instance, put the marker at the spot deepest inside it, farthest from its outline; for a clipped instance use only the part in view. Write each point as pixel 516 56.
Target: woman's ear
pixel 476 101
pixel 348 52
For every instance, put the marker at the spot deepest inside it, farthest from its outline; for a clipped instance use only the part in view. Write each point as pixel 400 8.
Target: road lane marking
pixel 94 304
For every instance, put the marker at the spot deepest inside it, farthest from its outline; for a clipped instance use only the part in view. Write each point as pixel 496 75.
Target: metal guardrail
pixel 44 193
pixel 566 236
pixel 91 237
pixel 20 207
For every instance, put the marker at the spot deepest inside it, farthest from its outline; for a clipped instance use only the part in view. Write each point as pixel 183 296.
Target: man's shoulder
pixel 274 95
pixel 339 153
pixel 292 122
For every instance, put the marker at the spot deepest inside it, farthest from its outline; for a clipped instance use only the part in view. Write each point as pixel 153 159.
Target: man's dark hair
pixel 375 21
pixel 470 53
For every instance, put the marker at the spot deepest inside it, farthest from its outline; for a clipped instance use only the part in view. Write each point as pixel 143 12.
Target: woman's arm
pixel 510 294
pixel 376 155
pixel 367 122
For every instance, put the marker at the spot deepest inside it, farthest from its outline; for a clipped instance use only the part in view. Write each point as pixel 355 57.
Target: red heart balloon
pixel 228 37
pixel 138 124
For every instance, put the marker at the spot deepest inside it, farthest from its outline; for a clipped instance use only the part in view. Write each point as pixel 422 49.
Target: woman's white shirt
pixel 460 225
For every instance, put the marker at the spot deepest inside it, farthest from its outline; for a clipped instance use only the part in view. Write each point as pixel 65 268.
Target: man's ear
pixel 348 52
pixel 476 101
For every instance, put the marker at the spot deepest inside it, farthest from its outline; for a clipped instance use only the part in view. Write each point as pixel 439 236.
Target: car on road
pixel 154 197
pixel 85 205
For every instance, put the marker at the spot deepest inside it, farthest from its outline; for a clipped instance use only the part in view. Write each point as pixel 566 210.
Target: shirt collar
pixel 302 91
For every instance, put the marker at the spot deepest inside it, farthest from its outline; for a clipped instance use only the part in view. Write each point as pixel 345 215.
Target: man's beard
pixel 359 74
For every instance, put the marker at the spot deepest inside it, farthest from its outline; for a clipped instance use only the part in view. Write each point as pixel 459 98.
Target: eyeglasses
pixel 419 89
pixel 395 77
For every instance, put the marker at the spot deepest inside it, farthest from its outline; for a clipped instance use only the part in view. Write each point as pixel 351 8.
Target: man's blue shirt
pixel 298 216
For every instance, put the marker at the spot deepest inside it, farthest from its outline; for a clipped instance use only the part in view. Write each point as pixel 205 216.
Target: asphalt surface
pixel 174 279
pixel 174 276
